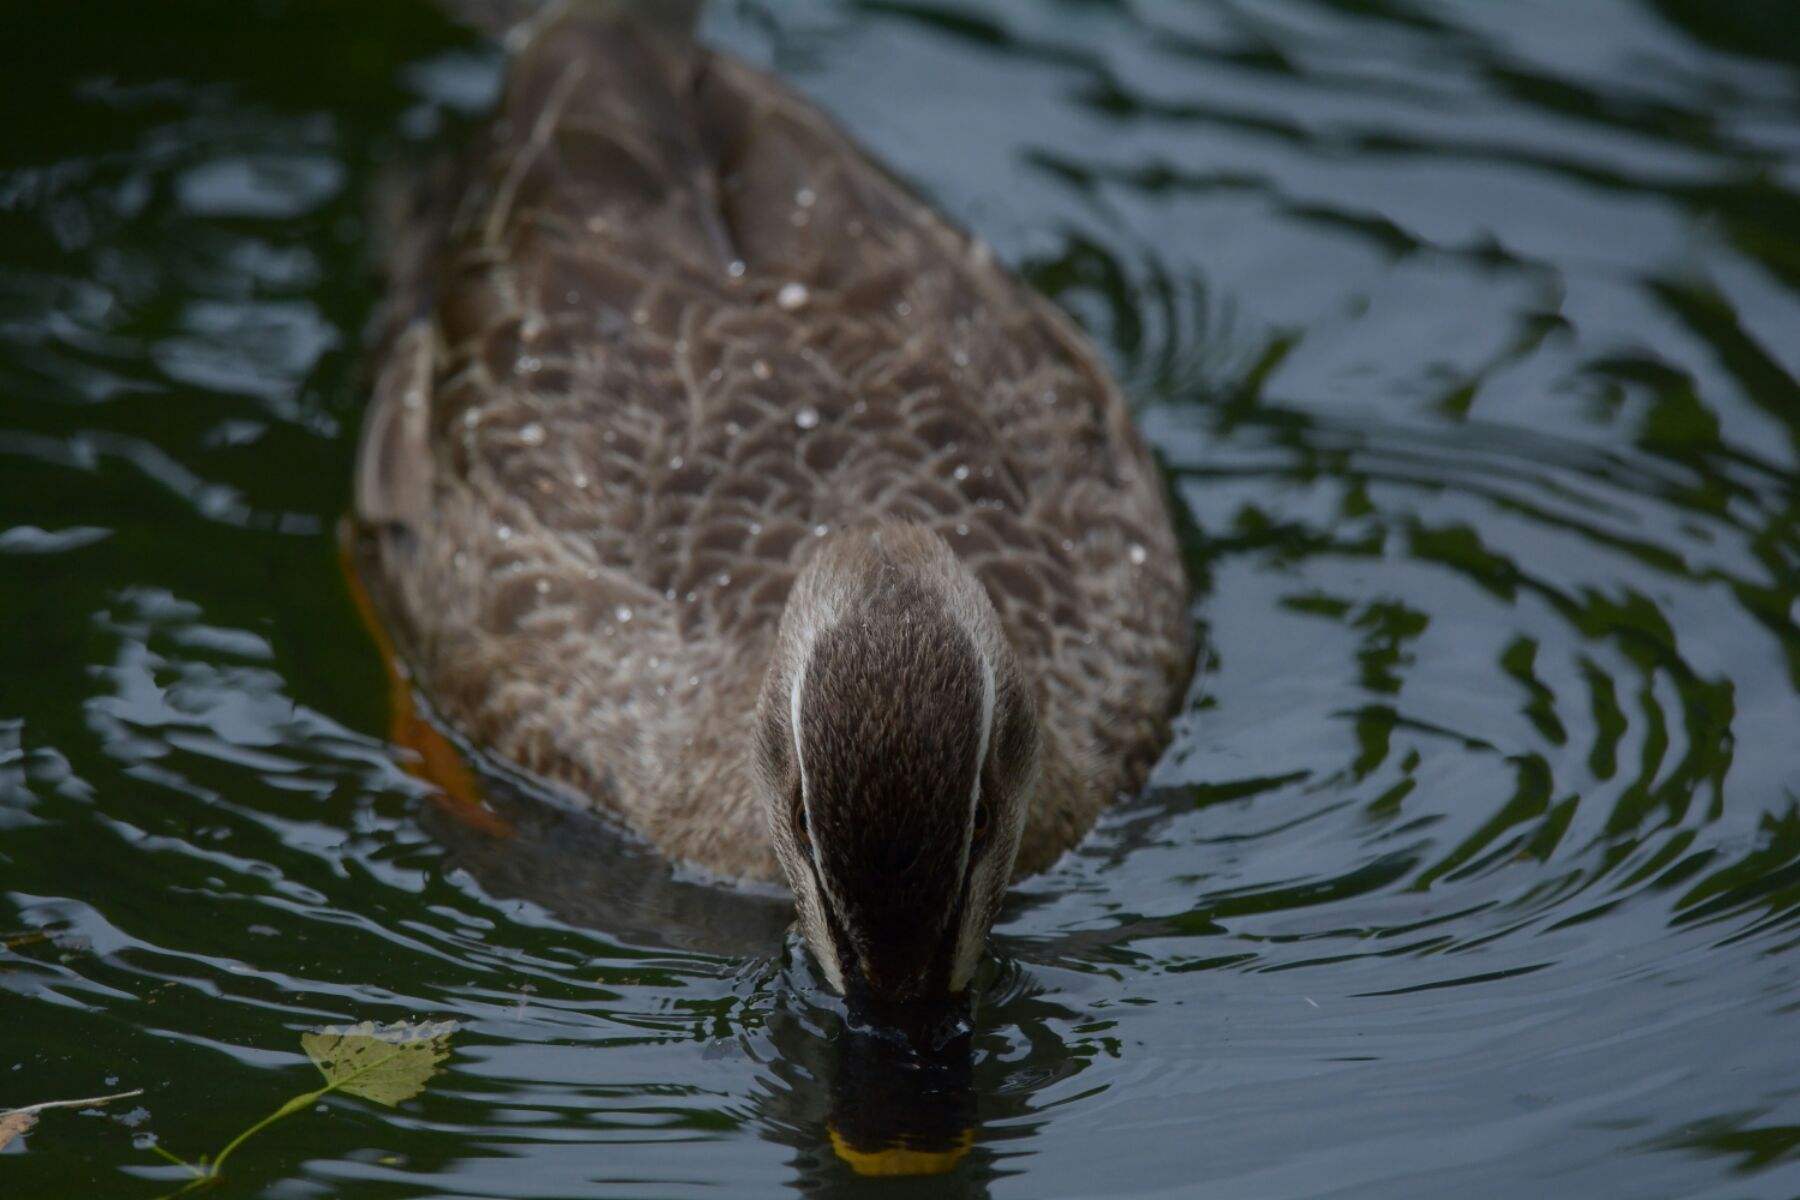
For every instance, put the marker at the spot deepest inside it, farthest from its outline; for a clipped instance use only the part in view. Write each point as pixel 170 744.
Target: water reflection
pixel 590 874
pixel 855 1106
pixel 852 1102
pixel 949 1121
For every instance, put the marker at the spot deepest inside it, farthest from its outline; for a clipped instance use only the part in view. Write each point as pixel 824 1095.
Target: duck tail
pixel 513 22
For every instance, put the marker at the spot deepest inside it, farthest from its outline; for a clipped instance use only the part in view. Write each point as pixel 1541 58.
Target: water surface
pixel 1469 335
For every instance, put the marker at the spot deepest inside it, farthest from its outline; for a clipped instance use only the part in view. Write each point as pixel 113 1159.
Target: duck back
pixel 659 331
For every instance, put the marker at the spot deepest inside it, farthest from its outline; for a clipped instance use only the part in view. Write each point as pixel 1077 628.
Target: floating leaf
pixel 384 1063
pixel 13 1124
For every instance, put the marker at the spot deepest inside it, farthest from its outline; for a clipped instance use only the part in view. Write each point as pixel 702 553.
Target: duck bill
pixel 905 993
pixel 930 1021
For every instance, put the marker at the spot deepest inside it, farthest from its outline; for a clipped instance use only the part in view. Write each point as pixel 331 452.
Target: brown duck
pixel 715 480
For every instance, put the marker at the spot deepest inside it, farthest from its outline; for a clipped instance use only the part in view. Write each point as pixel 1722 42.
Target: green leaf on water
pixel 388 1064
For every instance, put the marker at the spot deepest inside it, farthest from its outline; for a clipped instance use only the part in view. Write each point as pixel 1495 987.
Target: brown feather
pixel 672 325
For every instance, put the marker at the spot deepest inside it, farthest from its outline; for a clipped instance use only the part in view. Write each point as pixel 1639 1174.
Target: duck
pixel 716 482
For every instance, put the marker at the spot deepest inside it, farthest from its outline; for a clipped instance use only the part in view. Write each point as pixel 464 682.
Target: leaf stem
pixel 210 1171
pixel 190 1186
pixel 156 1148
pixel 293 1106
pixel 288 1109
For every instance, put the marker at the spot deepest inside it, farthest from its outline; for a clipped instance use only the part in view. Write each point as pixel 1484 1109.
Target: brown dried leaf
pixel 13 1124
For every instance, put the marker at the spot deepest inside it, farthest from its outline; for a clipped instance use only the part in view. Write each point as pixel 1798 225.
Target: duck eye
pixel 981 822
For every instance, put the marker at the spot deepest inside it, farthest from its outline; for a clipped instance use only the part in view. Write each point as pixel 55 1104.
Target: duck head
pixel 897 751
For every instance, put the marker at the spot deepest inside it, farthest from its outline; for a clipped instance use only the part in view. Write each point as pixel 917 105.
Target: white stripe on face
pixel 971 936
pixel 987 730
pixel 824 949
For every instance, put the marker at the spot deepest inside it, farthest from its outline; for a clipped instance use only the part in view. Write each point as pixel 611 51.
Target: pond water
pixel 1469 334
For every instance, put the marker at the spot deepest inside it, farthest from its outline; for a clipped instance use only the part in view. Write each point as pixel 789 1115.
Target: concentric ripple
pixel 1467 334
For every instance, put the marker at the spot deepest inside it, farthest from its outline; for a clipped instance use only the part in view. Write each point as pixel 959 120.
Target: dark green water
pixel 1470 335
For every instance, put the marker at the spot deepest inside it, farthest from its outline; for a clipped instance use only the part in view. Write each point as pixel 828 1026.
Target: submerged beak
pixel 925 1022
pixel 897 982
